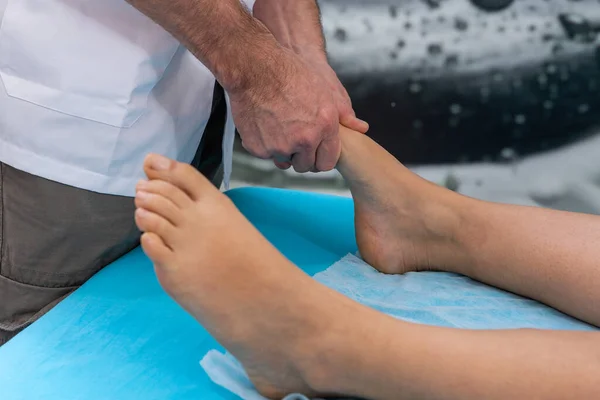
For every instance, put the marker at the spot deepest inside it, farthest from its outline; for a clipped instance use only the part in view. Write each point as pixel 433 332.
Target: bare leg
pixel 405 224
pixel 293 334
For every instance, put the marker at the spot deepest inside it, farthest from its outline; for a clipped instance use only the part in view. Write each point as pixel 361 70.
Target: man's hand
pixel 289 114
pixel 296 25
pixel 283 106
pixel 342 99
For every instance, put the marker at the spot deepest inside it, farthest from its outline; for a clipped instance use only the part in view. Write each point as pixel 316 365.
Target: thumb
pixel 349 120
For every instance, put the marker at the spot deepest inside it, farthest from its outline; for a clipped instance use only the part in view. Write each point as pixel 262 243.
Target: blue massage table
pixel 121 337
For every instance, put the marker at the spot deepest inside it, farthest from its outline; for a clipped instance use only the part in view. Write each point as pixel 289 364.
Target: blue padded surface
pixel 120 337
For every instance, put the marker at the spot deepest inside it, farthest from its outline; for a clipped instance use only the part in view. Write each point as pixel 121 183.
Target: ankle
pixel 322 356
pixel 471 233
pixel 447 218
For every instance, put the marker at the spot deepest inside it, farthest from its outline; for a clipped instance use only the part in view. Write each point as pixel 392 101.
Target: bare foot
pixel 403 222
pixel 216 265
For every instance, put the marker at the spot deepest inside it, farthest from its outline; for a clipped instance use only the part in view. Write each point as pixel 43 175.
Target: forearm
pixel 551 256
pixel 296 24
pixel 220 33
pixel 398 360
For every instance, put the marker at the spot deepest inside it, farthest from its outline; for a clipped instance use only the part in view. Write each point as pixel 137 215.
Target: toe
pixel 183 176
pixel 159 205
pixel 148 221
pixel 156 249
pixel 167 190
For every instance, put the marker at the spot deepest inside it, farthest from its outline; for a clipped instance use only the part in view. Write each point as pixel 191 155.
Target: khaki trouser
pixel 54 237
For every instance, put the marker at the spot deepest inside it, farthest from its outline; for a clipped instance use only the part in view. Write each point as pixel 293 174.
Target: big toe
pixel 184 176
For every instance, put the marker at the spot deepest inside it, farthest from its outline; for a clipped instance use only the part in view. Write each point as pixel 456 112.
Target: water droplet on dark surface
pixel 393 104
pixel 393 55
pixel 393 11
pixel 577 27
pixel 461 24
pixel 417 124
pixel 401 43
pixel 498 77
pixel 531 28
pixel 508 154
pixel 542 79
pixel 407 25
pixel 435 49
pixel 520 119
pixel 452 182
pixel 492 5
pixel 340 34
pixel 454 121
pixel 583 108
pixel 548 105
pixel 455 109
pixel 415 87
pixel 501 29
pixel 551 69
pixel 557 48
pixel 441 19
pixel 547 37
pixel 433 3
pixel 451 61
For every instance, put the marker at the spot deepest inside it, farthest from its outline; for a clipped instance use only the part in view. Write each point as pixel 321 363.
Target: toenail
pixel 159 163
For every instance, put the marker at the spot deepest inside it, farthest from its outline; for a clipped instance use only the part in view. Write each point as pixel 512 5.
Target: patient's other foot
pixel 215 264
pixel 403 222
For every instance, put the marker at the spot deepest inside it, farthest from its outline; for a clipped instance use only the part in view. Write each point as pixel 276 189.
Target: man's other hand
pixel 289 113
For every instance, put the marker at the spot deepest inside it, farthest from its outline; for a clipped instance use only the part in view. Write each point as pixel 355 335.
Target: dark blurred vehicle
pixel 444 81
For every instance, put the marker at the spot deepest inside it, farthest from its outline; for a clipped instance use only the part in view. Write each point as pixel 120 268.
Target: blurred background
pixel 496 99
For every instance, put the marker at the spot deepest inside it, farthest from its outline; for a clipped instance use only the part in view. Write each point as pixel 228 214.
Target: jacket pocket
pixel 97 60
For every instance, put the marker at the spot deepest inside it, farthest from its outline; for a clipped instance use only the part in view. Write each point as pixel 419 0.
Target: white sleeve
pixel 249 4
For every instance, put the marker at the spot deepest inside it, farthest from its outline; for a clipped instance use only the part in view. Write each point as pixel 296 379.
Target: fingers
pixel 282 164
pixel 348 116
pixel 328 153
pixel 354 123
pixel 319 148
pixel 304 161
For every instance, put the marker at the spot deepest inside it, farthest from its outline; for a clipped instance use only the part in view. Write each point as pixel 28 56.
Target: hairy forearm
pixel 220 33
pixel 295 23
